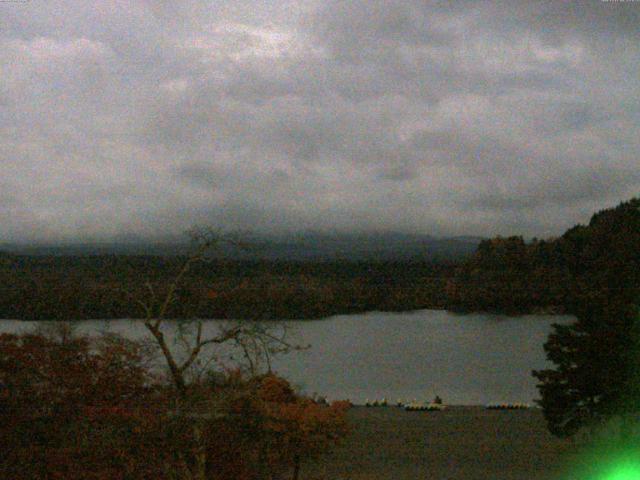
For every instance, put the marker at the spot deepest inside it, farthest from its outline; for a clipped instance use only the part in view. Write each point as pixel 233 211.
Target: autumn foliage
pixel 82 408
pixel 74 408
pixel 270 430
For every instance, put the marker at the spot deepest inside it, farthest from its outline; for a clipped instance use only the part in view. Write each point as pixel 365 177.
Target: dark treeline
pixel 588 265
pixel 506 275
pixel 110 286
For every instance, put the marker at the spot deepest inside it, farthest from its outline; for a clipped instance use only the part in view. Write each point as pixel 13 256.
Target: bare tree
pixel 256 341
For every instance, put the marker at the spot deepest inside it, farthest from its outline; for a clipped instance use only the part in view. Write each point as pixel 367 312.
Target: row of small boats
pixel 508 406
pixel 438 406
pixel 409 406
pixel 424 407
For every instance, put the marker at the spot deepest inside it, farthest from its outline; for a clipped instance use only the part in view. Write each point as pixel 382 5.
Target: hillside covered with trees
pixel 588 263
pixel 111 286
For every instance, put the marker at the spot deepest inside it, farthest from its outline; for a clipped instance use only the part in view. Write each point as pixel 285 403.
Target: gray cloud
pixel 135 119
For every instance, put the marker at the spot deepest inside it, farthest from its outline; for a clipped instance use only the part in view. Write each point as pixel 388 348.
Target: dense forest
pixel 111 286
pixel 588 264
pixel 506 275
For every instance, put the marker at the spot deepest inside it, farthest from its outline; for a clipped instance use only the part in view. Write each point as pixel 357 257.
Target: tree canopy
pixel 589 264
pixel 597 358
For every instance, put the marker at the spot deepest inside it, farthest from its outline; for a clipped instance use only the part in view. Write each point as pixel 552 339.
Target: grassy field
pixel 460 443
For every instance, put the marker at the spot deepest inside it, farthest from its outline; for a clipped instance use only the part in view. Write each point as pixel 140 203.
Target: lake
pixel 465 359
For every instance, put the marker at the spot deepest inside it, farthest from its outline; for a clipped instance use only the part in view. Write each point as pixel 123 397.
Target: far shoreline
pixel 458 313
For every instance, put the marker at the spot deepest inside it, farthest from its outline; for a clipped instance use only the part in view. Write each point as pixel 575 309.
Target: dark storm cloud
pixel 135 119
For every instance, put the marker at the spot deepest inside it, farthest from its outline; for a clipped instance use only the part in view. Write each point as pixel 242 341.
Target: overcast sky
pixel 140 118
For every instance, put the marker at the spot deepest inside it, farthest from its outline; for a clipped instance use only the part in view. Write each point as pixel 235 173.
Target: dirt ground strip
pixel 460 443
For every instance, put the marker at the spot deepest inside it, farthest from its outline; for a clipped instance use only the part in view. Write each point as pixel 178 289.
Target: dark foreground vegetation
pixel 74 408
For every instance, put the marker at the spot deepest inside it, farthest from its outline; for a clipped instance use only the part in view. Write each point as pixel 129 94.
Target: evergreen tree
pixel 597 358
pixel 596 370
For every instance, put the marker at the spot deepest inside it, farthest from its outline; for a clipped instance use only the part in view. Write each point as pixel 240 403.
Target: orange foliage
pixel 84 410
pixel 74 409
pixel 271 429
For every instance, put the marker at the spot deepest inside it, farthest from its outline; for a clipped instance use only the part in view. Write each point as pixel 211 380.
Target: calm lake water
pixel 466 359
